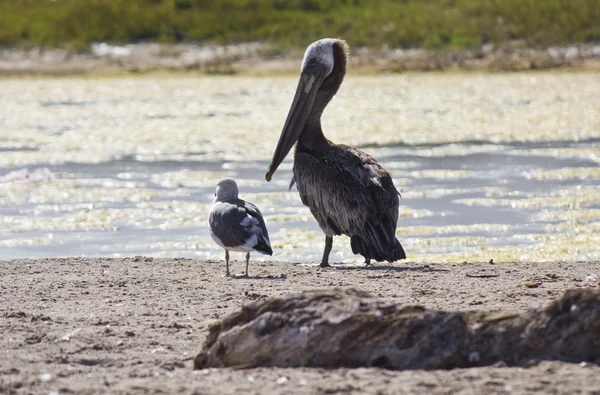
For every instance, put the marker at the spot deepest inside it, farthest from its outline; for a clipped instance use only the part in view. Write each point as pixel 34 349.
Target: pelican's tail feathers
pixel 373 250
pixel 397 252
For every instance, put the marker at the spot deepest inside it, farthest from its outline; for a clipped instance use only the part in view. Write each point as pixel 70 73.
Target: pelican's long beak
pixel 311 78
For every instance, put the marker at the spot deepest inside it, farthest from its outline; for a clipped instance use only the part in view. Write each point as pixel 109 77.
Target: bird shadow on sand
pixel 257 277
pixel 397 269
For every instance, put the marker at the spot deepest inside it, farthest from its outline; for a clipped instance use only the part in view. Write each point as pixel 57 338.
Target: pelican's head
pixel 324 64
pixel 227 189
pixel 319 53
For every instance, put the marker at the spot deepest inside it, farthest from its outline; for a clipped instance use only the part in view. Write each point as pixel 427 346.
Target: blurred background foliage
pixel 429 24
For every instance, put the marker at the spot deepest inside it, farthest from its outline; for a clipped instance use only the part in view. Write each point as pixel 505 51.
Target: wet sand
pixel 134 325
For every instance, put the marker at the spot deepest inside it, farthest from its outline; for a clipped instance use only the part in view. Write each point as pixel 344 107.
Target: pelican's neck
pixel 312 136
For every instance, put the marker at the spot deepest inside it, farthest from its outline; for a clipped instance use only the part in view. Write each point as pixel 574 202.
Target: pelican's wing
pixel 347 190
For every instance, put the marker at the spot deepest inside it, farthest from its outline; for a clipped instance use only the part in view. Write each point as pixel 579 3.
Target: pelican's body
pixel 237 225
pixel 347 191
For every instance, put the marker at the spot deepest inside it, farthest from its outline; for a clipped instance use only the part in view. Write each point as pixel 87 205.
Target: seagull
pixel 237 225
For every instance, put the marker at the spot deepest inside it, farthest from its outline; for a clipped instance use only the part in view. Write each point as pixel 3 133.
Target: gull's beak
pixel 311 78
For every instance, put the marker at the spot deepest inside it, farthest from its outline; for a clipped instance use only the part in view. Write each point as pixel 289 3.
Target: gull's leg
pixel 227 263
pixel 247 261
pixel 328 245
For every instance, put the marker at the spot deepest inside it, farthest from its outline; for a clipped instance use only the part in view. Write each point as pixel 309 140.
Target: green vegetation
pixel 404 23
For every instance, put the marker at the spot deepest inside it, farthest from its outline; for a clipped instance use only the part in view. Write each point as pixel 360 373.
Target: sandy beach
pixel 134 325
pixel 120 119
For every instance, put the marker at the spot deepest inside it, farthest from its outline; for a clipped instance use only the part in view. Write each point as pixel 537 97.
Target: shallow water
pixel 502 166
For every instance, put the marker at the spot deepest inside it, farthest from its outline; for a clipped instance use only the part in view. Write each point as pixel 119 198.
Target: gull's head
pixel 227 189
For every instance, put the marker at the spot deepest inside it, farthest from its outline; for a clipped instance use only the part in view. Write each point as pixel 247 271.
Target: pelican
pixel 347 191
pixel 237 225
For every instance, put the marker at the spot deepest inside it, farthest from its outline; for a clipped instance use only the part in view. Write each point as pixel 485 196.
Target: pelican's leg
pixel 227 263
pixel 328 245
pixel 367 261
pixel 247 261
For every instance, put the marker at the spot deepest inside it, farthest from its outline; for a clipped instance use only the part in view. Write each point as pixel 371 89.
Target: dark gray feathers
pixel 239 225
pixel 349 193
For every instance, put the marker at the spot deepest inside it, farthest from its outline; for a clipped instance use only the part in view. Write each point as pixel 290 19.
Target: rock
pixel 350 328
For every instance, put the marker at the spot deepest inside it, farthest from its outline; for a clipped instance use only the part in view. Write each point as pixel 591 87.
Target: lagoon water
pixel 490 166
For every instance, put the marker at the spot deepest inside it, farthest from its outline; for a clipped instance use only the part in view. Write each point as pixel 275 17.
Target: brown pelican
pixel 237 225
pixel 347 191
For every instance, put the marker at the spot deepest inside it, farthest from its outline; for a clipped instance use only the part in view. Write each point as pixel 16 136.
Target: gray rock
pixel 350 328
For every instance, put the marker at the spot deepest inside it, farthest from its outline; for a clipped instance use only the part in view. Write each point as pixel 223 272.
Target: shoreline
pixel 260 59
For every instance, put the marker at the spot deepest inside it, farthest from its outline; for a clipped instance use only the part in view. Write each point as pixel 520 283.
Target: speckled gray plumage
pixel 237 225
pixel 226 222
